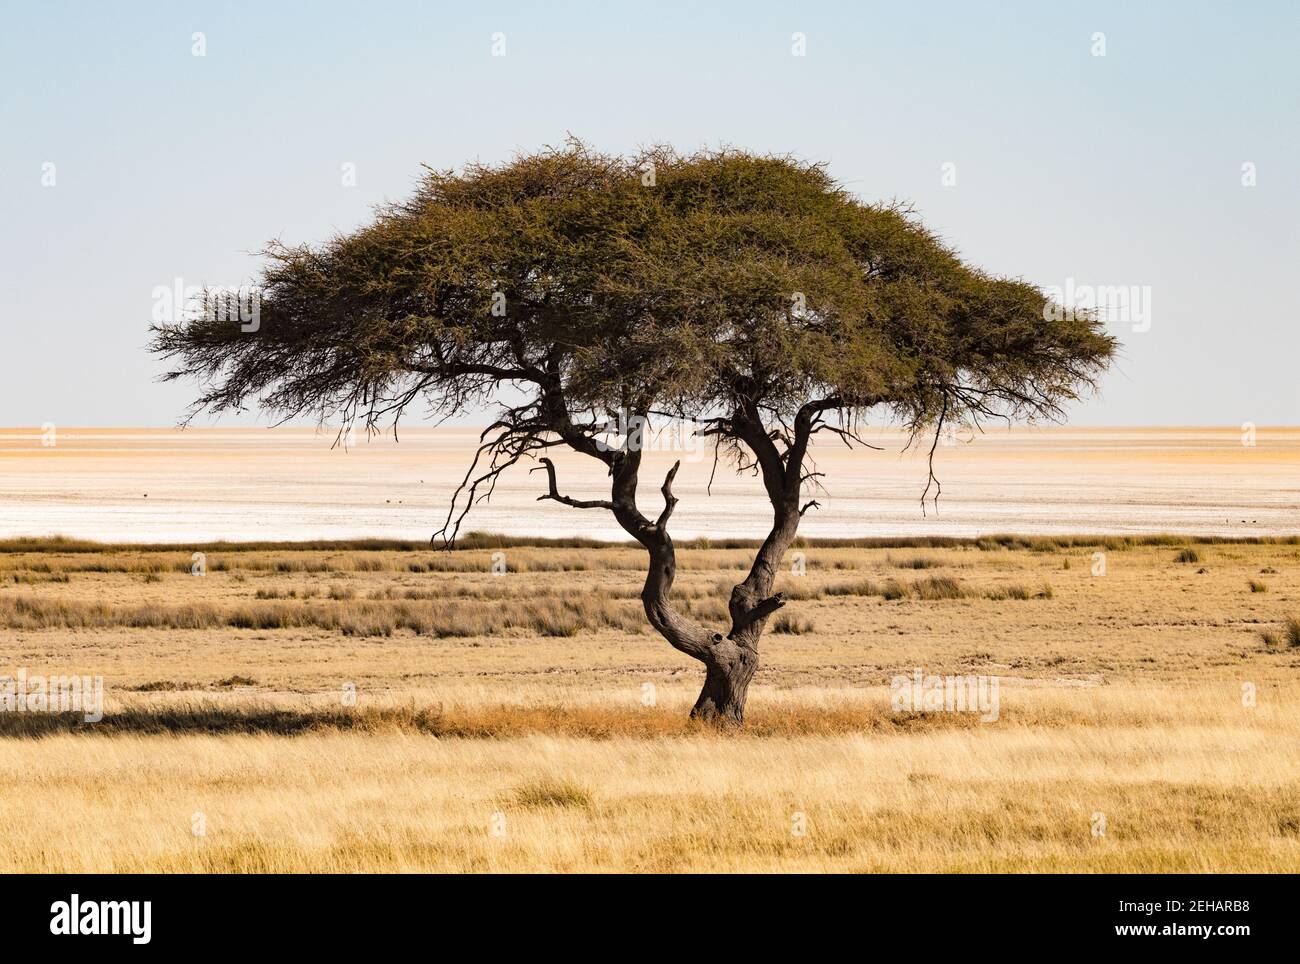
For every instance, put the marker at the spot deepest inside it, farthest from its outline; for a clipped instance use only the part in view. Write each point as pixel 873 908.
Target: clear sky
pixel 1117 170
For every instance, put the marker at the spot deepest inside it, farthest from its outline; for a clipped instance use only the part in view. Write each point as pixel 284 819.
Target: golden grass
pixel 516 703
pixel 550 616
pixel 1187 780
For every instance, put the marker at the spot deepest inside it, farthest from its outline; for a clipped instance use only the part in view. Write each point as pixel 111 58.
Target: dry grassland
pixel 501 721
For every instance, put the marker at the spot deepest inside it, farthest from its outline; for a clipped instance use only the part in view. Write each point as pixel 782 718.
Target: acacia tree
pixel 749 294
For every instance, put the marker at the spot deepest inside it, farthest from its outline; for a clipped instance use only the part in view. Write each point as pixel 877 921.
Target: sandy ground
pixel 164 485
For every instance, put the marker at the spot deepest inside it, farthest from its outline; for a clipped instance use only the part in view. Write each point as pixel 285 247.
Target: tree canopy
pixel 749 293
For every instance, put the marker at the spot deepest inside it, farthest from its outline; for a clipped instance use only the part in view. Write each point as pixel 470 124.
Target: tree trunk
pixel 728 670
pixel 729 661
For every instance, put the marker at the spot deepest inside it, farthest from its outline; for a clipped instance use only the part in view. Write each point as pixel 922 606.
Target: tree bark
pixel 729 661
pixel 727 672
pixel 729 665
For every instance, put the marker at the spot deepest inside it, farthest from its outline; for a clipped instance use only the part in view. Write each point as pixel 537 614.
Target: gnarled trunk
pixel 729 661
pixel 728 668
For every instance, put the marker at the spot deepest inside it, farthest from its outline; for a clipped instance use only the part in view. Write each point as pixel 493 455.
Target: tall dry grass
pixel 547 616
pixel 1122 695
pixel 1187 779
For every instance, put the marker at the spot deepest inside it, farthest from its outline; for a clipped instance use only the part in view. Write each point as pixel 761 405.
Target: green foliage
pixel 732 279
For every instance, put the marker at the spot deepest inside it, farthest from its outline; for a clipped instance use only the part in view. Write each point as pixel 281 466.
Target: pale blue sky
pixel 1117 170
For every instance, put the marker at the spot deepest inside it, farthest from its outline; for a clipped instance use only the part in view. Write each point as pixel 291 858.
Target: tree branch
pixel 555 496
pixel 670 501
pixel 760 610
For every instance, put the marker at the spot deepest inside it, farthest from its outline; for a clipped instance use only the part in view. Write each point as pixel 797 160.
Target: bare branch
pixel 556 497
pixel 760 610
pixel 670 501
pixel 938 488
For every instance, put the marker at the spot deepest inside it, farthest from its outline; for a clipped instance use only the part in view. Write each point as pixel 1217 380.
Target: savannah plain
pixel 367 704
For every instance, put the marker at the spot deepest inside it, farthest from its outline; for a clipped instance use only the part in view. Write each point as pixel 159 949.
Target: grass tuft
pixel 787 624
pixel 939 587
pixel 1287 638
pixel 553 793
pixel 232 681
pixel 162 686
pixel 920 562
